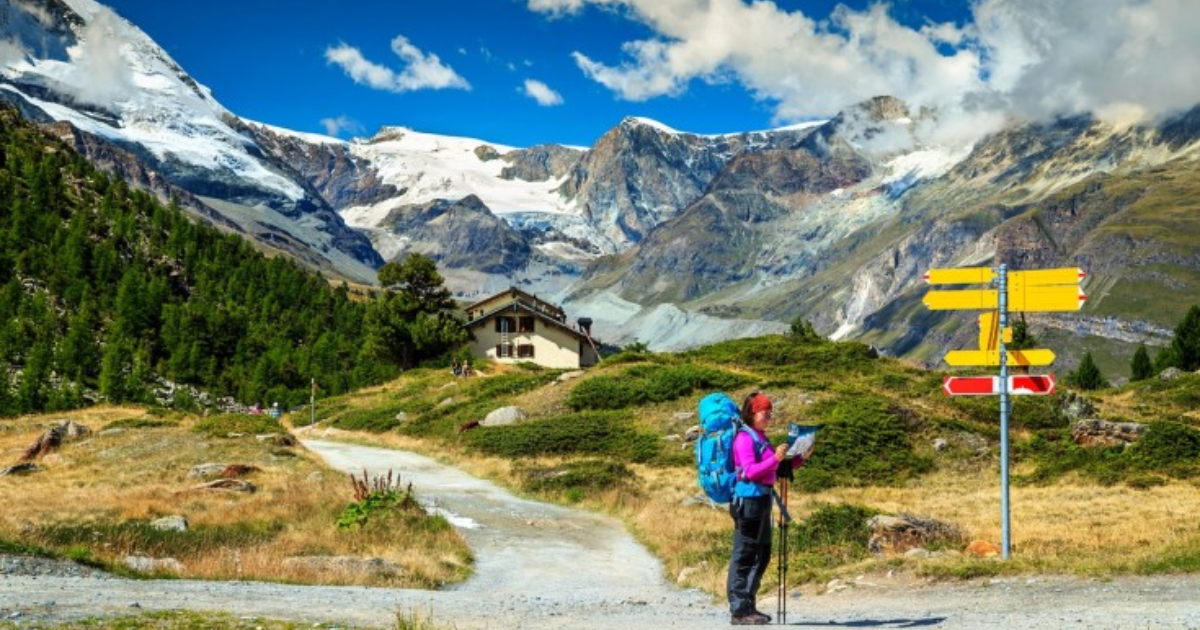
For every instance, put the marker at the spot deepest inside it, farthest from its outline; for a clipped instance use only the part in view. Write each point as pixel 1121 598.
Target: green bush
pixel 374 420
pixel 863 443
pixel 1169 447
pixel 577 478
pixel 840 525
pixel 595 433
pixel 222 425
pixel 140 423
pixel 378 505
pixel 645 384
pixel 511 383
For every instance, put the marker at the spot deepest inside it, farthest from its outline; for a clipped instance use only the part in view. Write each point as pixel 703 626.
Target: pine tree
pixel 1087 376
pixel 1185 347
pixel 1140 368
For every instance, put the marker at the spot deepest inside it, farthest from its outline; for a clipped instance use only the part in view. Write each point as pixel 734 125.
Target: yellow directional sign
pixel 968 299
pixel 1046 277
pixel 962 358
pixel 1046 298
pixel 964 275
pixel 989 331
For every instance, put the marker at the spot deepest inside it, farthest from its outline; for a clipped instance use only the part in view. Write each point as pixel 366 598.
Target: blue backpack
pixel 720 421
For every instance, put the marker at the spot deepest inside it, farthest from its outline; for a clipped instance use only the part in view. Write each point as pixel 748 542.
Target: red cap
pixel 760 402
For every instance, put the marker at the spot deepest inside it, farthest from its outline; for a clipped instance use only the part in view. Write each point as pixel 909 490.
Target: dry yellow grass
pixel 105 482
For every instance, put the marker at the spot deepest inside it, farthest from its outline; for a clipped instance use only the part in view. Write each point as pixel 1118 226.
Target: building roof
pixel 521 306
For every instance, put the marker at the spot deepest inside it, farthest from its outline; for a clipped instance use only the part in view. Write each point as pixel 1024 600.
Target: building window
pixel 525 351
pixel 506 324
pixel 525 325
pixel 504 350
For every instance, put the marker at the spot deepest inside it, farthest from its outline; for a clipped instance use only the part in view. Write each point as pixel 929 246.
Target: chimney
pixel 586 324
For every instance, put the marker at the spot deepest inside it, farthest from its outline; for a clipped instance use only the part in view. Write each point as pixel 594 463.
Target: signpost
pixel 1044 290
pixel 1035 384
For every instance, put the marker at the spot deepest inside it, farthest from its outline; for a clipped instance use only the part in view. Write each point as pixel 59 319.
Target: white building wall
pixel 552 346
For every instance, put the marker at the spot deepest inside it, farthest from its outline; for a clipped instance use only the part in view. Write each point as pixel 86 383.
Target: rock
pixel 278 439
pixel 377 567
pixel 672 437
pixel 566 376
pixel 1170 374
pixel 685 415
pixel 983 549
pixel 686 573
pixel 941 444
pixel 401 417
pixel 503 416
pixel 174 523
pixel 232 485
pixel 1103 433
pixel 66 431
pixel 207 470
pixel 895 535
pixel 834 586
pixel 116 431
pixel 693 433
pixel 233 471
pixel 146 564
pixel 1075 406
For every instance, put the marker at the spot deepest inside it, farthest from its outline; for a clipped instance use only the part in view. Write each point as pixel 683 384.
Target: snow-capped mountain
pixel 75 61
pixel 661 236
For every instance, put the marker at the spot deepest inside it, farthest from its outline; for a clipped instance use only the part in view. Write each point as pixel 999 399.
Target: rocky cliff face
pixel 461 234
pixel 539 163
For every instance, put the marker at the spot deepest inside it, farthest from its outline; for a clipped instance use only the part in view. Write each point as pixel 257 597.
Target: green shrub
pixel 863 443
pixel 140 423
pixel 377 505
pixel 1169 447
pixel 222 425
pixel 645 384
pixel 595 433
pixel 840 525
pixel 374 420
pixel 578 477
pixel 511 383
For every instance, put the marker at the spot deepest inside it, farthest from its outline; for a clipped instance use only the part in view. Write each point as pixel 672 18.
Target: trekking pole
pixel 783 561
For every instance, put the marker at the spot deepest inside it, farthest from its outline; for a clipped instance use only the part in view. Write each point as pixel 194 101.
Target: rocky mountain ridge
pixel 661 236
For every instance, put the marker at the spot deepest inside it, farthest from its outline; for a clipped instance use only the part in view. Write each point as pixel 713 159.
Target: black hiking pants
pixel 751 552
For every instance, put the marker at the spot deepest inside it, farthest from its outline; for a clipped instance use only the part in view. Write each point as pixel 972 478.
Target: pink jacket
pixel 743 458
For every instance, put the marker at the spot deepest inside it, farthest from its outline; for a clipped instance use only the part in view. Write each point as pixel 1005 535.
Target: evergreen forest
pixel 105 292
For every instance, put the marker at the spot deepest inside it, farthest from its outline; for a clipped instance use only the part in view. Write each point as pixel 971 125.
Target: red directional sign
pixel 1039 384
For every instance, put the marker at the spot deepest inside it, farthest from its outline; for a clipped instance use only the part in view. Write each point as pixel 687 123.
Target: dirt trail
pixel 546 567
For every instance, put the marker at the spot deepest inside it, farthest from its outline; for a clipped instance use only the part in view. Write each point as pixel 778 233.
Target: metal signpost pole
pixel 1002 276
pixel 312 402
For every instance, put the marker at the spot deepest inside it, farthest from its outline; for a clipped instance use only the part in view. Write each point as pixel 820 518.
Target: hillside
pixel 892 443
pixel 107 294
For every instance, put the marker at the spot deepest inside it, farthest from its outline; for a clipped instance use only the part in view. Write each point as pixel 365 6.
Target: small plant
pixel 244 424
pixel 373 497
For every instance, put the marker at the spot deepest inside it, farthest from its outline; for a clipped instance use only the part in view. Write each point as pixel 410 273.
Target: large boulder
pixel 175 523
pixel 503 416
pixel 896 535
pixel 1104 433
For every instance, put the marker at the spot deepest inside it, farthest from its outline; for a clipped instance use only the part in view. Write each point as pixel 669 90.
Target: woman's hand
pixel 780 451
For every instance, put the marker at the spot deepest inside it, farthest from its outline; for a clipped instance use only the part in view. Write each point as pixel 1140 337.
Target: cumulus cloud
pixel 422 71
pixel 542 93
pixel 1115 58
pixel 335 126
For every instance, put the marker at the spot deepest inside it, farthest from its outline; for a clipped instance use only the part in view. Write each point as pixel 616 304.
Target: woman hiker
pixel 755 461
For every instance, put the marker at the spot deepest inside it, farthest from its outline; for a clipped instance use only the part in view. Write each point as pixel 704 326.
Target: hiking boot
pixel 749 619
pixel 762 614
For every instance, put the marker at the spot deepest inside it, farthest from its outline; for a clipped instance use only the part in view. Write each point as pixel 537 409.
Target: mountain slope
pixel 79 63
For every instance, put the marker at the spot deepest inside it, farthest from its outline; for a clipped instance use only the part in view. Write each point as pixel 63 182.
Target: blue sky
pixel 523 72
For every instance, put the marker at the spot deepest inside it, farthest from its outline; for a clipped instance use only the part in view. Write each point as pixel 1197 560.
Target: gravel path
pixel 544 567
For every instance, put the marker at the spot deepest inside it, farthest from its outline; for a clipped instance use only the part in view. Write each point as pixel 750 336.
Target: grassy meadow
pixel 94 498
pixel 611 440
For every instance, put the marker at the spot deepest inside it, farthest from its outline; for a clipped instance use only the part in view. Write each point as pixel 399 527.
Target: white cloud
pixel 422 71
pixel 335 126
pixel 542 93
pixel 1025 57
